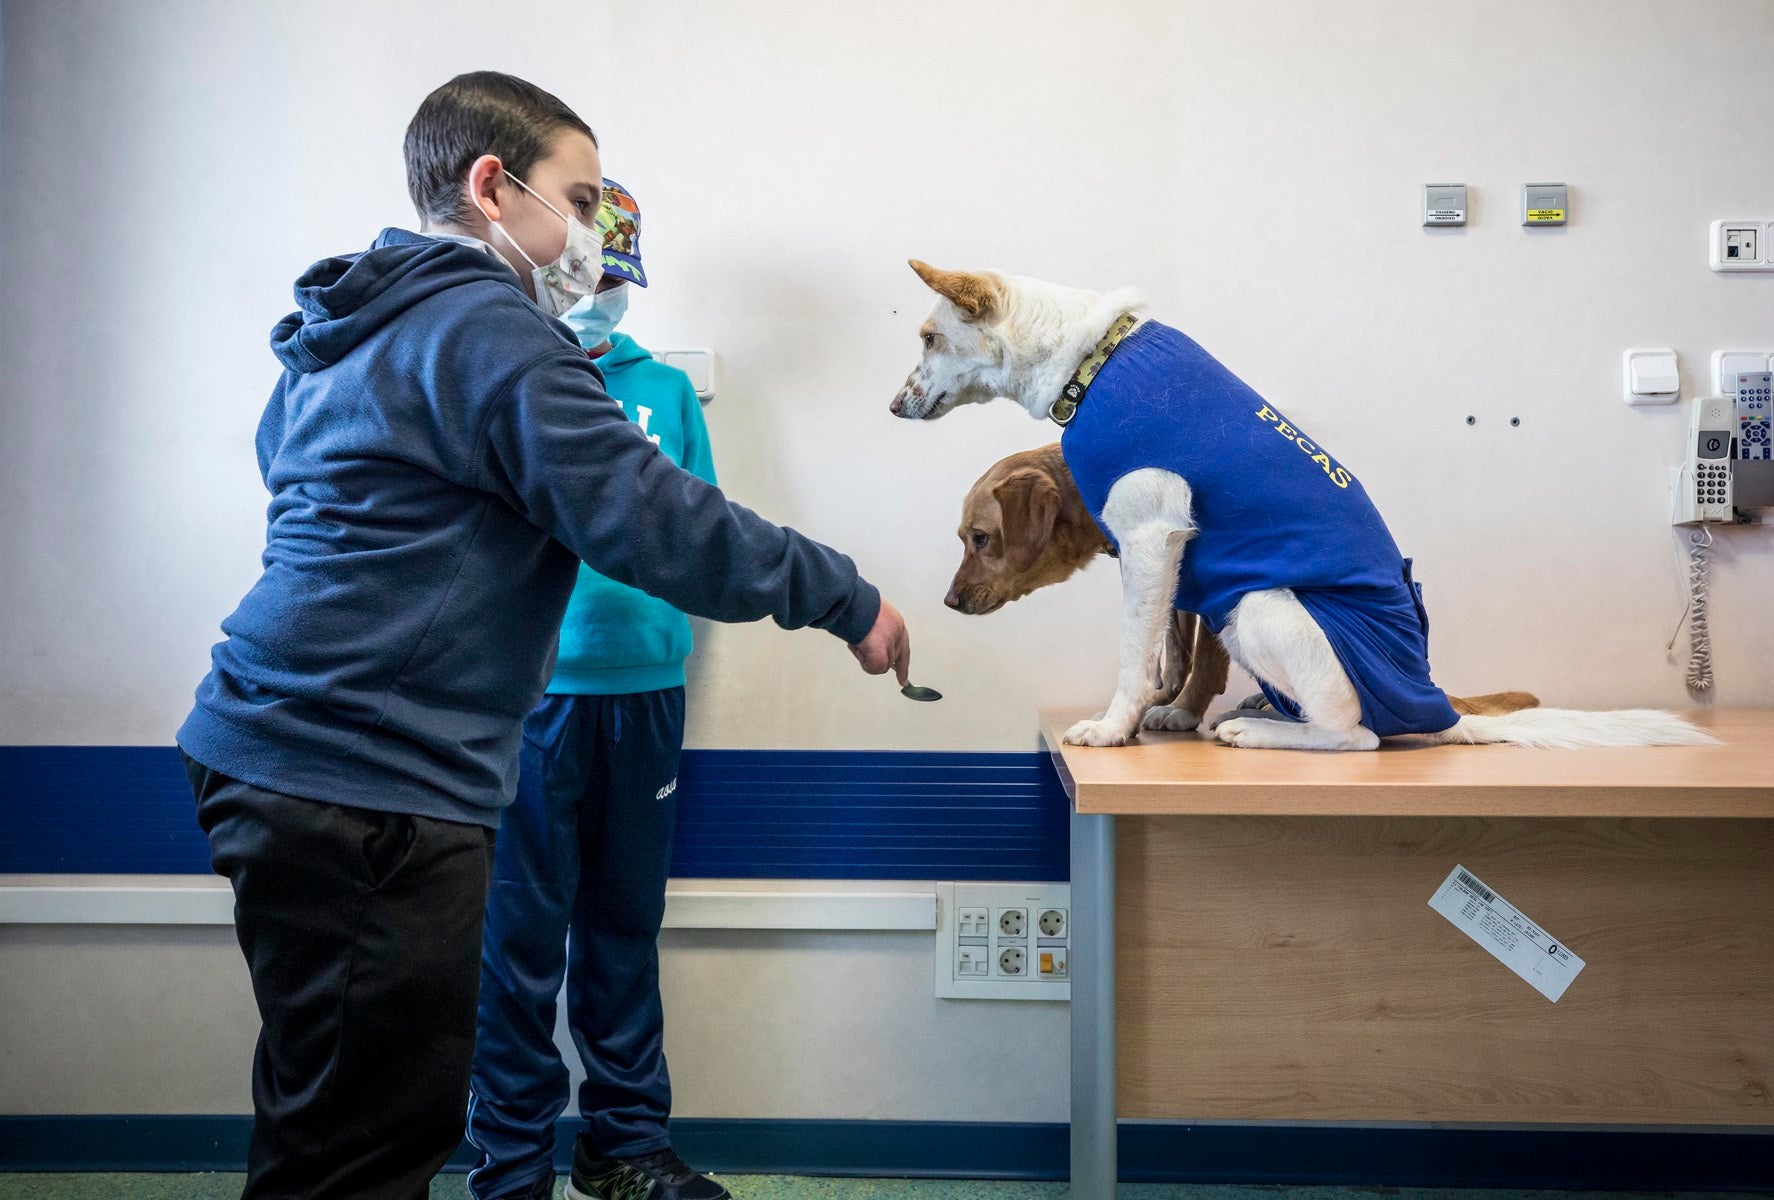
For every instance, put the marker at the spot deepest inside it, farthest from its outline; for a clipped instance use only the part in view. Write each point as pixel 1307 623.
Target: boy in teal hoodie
pixel 587 845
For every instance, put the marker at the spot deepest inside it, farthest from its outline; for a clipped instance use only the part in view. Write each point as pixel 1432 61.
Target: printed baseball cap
pixel 619 220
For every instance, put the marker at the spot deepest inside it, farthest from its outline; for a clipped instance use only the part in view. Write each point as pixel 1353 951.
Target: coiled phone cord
pixel 1699 637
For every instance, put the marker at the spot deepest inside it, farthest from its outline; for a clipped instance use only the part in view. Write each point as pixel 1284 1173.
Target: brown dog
pixel 1024 526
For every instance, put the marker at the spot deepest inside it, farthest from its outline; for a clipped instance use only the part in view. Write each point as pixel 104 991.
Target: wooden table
pixel 1693 821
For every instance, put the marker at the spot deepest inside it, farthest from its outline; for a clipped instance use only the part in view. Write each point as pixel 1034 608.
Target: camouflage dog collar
pixel 1072 395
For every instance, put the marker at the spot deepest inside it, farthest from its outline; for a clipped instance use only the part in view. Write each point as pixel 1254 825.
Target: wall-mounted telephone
pixel 1701 495
pixel 1727 476
pixel 1702 490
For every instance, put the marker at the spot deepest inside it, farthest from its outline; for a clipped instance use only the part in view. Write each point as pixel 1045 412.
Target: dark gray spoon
pixel 912 691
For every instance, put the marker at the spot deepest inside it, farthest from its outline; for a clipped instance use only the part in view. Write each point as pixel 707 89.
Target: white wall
pixel 1253 168
pixel 758 1024
pixel 167 169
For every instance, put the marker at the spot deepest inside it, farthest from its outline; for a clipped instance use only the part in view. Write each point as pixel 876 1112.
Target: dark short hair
pixel 482 112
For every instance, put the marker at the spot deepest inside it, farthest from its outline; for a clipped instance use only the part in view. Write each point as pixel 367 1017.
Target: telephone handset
pixel 1703 483
pixel 1701 495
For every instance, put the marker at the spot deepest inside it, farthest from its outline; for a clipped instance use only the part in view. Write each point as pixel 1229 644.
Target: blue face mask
pixel 595 318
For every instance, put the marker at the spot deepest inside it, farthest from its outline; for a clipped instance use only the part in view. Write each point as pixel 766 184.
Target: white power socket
pixel 1003 941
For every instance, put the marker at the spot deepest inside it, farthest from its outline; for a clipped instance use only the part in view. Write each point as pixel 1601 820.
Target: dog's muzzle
pixel 915 404
pixel 912 405
pixel 974 602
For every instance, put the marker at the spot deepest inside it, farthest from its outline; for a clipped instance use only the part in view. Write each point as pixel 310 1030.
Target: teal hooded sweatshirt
pixel 616 639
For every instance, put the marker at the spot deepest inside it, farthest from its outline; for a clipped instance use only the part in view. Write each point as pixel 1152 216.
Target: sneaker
pixel 661 1175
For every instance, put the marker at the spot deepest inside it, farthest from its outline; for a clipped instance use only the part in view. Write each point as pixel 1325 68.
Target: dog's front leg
pixel 1207 679
pixel 1176 657
pixel 1177 672
pixel 1147 511
pixel 1149 560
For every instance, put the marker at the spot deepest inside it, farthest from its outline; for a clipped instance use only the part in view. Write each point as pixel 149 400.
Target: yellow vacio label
pixel 1546 214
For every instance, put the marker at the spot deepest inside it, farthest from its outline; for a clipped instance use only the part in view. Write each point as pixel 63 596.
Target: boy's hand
pixel 887 647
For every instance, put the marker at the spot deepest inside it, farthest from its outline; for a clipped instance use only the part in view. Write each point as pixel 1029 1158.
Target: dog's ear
pixel 974 294
pixel 1029 502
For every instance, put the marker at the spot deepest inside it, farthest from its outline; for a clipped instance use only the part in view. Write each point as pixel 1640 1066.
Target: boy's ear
pixel 974 294
pixel 485 174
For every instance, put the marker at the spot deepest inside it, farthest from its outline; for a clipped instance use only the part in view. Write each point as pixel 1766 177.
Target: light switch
pixel 1652 376
pixel 699 365
pixel 1727 365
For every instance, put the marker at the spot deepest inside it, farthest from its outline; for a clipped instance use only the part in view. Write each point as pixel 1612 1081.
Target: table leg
pixel 1093 1007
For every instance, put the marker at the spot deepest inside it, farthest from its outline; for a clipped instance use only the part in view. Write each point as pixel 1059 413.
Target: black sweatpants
pixel 362 933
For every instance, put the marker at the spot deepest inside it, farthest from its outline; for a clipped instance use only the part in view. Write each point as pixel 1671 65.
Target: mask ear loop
pixel 534 265
pixel 545 204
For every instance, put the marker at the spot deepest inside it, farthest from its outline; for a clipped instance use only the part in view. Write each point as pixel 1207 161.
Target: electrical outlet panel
pixel 1003 941
pixel 1739 246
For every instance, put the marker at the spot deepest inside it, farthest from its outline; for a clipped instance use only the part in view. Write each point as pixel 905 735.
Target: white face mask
pixel 571 277
pixel 594 320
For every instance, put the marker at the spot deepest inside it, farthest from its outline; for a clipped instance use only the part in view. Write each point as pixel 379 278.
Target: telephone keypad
pixel 1710 484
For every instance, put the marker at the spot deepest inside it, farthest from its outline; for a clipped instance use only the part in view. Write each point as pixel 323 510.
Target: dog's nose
pixel 897 405
pixel 953 600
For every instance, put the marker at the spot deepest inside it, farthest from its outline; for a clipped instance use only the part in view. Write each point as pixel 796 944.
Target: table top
pixel 1185 773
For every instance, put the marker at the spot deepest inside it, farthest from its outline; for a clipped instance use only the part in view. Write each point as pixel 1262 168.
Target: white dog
pixel 1286 557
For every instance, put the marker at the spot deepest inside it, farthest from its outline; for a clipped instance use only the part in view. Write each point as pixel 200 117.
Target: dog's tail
pixel 1569 729
pixel 1493 704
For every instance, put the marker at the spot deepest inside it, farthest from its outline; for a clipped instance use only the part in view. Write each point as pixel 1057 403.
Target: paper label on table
pixel 1545 962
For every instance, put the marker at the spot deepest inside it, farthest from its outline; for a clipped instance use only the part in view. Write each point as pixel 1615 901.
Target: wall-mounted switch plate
pixel 1544 204
pixel 1444 204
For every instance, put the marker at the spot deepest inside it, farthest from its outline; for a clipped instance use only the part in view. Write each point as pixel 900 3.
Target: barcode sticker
pixel 1477 911
pixel 1476 888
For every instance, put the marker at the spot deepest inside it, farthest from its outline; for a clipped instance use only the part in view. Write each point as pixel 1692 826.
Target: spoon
pixel 912 691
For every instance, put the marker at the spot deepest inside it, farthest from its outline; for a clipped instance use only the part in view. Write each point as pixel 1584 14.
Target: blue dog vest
pixel 1272 509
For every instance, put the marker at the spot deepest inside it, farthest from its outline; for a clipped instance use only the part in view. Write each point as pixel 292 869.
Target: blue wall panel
pixel 769 814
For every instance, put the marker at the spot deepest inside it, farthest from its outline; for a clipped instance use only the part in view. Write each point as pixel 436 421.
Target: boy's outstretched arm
pixel 564 454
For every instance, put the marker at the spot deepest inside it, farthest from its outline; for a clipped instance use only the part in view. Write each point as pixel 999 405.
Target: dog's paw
pixel 1097 733
pixel 1231 714
pixel 1169 716
pixel 1249 732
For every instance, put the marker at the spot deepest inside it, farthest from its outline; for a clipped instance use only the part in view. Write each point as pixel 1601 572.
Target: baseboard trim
pixel 1271 1153
pixel 208 900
